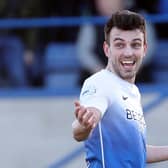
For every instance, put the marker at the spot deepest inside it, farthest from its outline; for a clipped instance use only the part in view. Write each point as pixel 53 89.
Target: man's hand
pixel 87 117
pixel 86 120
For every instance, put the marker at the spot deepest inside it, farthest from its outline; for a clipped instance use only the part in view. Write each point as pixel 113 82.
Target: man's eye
pixel 119 45
pixel 136 45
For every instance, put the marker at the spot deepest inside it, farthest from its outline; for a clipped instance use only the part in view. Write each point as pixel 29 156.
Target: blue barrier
pixel 67 21
pixel 50 22
pixel 38 92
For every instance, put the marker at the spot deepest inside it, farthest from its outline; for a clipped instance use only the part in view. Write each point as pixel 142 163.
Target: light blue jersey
pixel 118 141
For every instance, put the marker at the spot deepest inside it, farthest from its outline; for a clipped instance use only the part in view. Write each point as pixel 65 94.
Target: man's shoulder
pixel 98 76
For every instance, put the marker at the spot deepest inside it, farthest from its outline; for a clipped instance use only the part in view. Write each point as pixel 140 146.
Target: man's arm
pixel 157 153
pixel 86 120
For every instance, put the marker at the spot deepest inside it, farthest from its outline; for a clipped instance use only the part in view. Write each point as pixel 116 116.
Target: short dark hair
pixel 125 20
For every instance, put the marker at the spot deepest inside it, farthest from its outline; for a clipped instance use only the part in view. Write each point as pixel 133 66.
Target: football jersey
pixel 119 140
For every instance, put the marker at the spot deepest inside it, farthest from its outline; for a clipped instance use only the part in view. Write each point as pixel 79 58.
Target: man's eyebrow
pixel 137 39
pixel 120 39
pixel 117 38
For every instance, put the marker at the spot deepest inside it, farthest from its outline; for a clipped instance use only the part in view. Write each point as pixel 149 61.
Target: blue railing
pixel 67 21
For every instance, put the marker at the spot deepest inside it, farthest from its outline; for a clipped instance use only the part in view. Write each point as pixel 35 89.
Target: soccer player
pixel 109 116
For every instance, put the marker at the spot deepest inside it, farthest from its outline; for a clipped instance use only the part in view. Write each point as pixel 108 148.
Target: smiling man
pixel 125 50
pixel 109 116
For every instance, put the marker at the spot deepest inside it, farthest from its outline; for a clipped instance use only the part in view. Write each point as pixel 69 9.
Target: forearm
pixel 157 153
pixel 79 132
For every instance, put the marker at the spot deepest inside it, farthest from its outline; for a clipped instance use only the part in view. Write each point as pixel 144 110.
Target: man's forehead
pixel 118 34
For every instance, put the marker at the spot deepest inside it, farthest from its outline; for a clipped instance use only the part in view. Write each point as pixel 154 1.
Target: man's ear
pixel 106 48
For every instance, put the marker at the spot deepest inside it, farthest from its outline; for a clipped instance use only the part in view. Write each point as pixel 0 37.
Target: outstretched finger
pixel 77 103
pixel 80 113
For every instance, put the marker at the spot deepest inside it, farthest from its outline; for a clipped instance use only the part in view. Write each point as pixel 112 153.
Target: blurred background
pixel 47 49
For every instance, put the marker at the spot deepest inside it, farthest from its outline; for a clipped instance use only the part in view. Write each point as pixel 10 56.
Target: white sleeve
pixel 92 96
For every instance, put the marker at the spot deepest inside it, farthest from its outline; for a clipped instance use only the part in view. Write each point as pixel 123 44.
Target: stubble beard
pixel 128 76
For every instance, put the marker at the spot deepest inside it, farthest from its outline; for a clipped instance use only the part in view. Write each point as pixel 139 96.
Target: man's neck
pixel 131 80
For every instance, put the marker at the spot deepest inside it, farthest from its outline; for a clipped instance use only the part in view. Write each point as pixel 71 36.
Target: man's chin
pixel 129 76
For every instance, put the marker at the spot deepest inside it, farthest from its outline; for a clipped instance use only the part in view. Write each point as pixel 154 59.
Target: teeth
pixel 127 62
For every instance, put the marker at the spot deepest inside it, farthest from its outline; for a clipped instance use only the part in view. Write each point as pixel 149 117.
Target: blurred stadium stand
pixel 61 66
pixel 160 71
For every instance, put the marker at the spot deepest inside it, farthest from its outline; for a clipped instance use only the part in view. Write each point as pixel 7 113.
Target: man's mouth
pixel 128 64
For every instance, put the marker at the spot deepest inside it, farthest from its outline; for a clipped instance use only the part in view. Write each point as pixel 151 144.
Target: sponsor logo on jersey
pixel 133 115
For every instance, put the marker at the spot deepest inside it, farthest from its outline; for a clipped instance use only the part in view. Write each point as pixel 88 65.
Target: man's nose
pixel 128 51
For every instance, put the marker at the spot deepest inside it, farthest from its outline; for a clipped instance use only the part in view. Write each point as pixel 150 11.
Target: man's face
pixel 125 52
